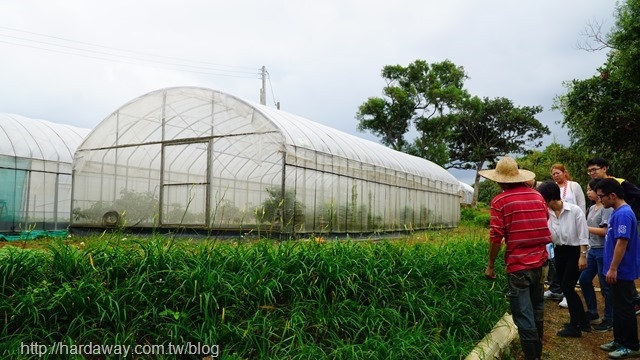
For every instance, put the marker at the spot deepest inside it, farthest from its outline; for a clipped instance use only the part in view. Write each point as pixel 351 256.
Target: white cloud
pixel 324 57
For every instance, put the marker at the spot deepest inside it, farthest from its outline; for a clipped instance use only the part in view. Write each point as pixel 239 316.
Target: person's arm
pixel 600 231
pixel 618 253
pixel 494 250
pixel 604 219
pixel 631 195
pixel 630 190
pixel 579 195
pixel 583 236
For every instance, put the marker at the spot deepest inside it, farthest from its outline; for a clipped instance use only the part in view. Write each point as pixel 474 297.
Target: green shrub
pixel 477 216
pixel 482 219
pixel 487 190
pixel 467 214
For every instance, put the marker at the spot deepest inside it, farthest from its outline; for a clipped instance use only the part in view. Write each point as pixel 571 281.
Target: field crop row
pixel 263 300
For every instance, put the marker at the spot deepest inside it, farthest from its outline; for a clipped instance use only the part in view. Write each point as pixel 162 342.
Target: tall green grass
pixel 413 299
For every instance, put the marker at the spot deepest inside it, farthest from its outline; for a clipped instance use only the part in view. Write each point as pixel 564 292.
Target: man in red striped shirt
pixel 519 218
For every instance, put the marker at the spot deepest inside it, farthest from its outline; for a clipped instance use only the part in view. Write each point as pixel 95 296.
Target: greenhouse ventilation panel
pixel 36 158
pixel 195 158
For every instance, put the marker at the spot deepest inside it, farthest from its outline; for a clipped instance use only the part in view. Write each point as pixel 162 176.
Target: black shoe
pixel 593 319
pixel 583 328
pixel 570 331
pixel 604 326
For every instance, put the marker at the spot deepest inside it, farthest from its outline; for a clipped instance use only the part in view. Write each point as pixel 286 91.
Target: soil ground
pixel 555 347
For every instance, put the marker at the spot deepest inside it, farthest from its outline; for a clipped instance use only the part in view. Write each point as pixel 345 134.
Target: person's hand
pixel 490 273
pixel 612 276
pixel 582 263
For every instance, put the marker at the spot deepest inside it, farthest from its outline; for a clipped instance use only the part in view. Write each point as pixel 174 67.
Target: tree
pixel 484 129
pixel 417 95
pixel 487 190
pixel 540 162
pixel 432 142
pixel 454 130
pixel 601 112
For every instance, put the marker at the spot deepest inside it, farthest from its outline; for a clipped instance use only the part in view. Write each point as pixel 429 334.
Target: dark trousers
pixel 566 258
pixel 625 327
pixel 526 300
pixel 554 284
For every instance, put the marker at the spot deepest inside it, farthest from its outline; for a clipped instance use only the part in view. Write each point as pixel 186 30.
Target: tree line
pixel 458 130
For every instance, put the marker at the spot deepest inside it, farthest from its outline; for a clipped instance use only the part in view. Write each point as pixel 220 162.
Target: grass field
pixel 420 297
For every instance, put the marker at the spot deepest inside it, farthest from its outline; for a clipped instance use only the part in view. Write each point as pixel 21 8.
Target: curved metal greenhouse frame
pixel 202 159
pixel 35 173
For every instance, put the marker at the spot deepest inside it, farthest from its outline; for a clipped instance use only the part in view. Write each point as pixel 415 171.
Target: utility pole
pixel 263 91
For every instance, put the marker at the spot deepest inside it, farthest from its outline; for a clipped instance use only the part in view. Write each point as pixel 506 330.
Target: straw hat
pixel 507 171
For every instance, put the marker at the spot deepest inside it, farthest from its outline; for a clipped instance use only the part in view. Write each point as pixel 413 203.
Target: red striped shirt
pixel 519 216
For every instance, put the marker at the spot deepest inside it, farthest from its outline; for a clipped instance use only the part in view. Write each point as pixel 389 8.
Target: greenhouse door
pixel 183 200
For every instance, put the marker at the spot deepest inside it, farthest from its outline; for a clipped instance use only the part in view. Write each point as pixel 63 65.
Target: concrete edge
pixel 494 342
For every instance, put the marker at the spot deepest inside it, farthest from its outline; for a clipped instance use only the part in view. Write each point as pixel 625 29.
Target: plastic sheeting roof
pixel 39 139
pixel 466 191
pixel 140 121
pixel 466 187
pixel 305 133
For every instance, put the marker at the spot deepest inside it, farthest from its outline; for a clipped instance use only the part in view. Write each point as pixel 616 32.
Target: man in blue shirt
pixel 621 269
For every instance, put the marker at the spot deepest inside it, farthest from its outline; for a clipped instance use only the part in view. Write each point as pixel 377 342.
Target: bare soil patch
pixel 555 347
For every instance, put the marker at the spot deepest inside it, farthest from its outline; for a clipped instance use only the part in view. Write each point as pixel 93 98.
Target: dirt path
pixel 586 347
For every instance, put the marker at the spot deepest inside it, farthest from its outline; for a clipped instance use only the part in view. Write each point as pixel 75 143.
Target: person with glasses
pixel 597 221
pixel 570 236
pixel 620 264
pixel 570 192
pixel 597 169
pixel 519 218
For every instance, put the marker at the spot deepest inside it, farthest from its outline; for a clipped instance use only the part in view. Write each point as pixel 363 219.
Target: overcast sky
pixel 75 62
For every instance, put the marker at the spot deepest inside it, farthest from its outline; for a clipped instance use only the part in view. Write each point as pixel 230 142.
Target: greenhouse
pixel 201 159
pixel 36 158
pixel 466 193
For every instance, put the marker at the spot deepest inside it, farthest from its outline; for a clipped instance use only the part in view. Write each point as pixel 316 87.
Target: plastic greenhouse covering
pixel 196 158
pixel 36 159
pixel 466 193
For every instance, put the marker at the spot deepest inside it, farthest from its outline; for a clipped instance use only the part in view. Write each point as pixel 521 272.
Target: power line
pixel 128 62
pixel 125 50
pixel 50 43
pixel 273 95
pixel 206 67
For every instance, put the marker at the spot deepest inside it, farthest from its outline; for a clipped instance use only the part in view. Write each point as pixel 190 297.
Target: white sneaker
pixel 553 296
pixel 563 303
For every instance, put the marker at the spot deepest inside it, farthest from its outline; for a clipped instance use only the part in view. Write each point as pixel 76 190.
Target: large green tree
pixel 454 129
pixel 601 112
pixel 540 162
pixel 486 128
pixel 416 96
